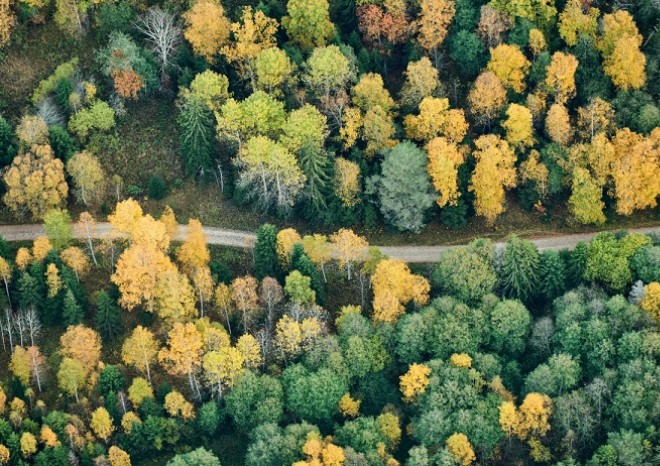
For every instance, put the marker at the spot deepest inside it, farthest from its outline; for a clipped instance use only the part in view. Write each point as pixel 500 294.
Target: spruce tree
pixel 576 262
pixel 552 275
pixel 8 143
pixel 108 319
pixel 519 277
pixel 266 262
pixel 72 313
pixel 28 291
pixel 314 164
pixel 196 136
pixel 61 142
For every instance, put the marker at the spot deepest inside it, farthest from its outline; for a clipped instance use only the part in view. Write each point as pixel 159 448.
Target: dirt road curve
pixel 239 238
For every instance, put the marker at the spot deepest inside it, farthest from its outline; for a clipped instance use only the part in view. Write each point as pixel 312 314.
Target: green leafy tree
pixel 519 277
pixel 510 323
pixel 403 188
pixel 97 117
pixel 254 400
pixel 312 396
pixel 607 259
pixel 199 457
pixel 308 23
pixel 467 273
pixel 57 224
pixel 196 136
pixel 297 287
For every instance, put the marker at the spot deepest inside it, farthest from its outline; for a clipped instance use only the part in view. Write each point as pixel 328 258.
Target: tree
pixel 266 261
pixel 297 287
pixel 255 34
pixel 97 117
pixel 552 275
pixel 32 130
pixel 19 365
pixel 312 396
pixel 560 76
pixel 651 301
pixel 493 23
pixel 176 405
pixel 125 217
pixel 422 81
pixel 6 275
pixel 270 173
pixel 140 350
pixel 28 444
pixel 468 52
pixel 308 23
pixel 493 173
pixel 82 344
pixel 273 70
pixel 35 182
pixel 196 136
pixel 486 98
pixel 585 203
pixel 163 33
pixel 318 250
pixel 101 424
pixel 635 170
pixel 222 368
pixel 434 19
pixel 199 457
pixel 118 457
pixel 347 181
pixel 414 382
pixel 575 21
pixel 174 297
pixel 608 259
pixel 139 391
pixel 558 125
pixel 183 353
pixel 459 446
pixel 88 177
pixel 403 188
pixel 510 322
pixel 509 64
pixel 57 224
pixel 53 280
pixel 518 126
pixel 71 376
pixel 7 22
pixel 211 88
pixel 194 256
pixel 245 298
pixel 394 287
pixel 8 141
pixel 467 273
pixel 108 321
pixel 327 72
pixel 72 312
pixel 206 28
pixel 436 119
pixel 287 238
pixel 623 61
pixel 349 247
pixel 519 277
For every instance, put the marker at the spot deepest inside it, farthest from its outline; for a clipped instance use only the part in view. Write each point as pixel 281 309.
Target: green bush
pixel 157 188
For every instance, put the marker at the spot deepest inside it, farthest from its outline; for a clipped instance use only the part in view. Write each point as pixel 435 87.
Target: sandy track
pixel 237 238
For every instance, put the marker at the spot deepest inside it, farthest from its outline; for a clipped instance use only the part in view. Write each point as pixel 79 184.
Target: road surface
pixel 237 238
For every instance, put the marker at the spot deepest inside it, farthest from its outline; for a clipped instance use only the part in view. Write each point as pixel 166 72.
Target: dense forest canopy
pixel 145 345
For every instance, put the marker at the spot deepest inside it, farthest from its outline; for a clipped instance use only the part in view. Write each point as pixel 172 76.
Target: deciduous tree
pixel 81 344
pixel 349 247
pixel 206 28
pixel 461 449
pixel 101 424
pixel 509 65
pixel 518 126
pixel 140 350
pixel 560 76
pixel 558 124
pixel 347 181
pixel 414 382
pixel 308 23
pixel 433 22
pixel 494 172
pixel 245 298
pixel 422 80
pixel 183 354
pixel 487 98
pixel 394 287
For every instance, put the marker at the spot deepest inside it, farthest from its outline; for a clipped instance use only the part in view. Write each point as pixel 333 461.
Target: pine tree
pixel 108 320
pixel 72 313
pixel 552 275
pixel 314 163
pixel 8 143
pixel 266 263
pixel 28 291
pixel 576 263
pixel 301 262
pixel 196 136
pixel 519 278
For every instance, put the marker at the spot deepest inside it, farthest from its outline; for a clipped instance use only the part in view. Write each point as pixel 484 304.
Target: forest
pixel 327 127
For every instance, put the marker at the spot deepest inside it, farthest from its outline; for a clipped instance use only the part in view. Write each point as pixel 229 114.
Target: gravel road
pixel 239 238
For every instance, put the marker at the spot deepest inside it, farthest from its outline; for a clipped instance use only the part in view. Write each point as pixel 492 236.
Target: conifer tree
pixel 108 319
pixel 196 136
pixel 552 275
pixel 519 277
pixel 72 312
pixel 266 262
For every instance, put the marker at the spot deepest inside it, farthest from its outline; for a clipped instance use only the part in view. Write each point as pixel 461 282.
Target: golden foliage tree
pixel 487 98
pixel 7 23
pixel 53 280
pixel 308 23
pixel 81 344
pixel 395 286
pixel 76 260
pixel 174 297
pixel 594 118
pixel 347 181
pixel 585 203
pixel 651 301
pixel 222 368
pixel 461 449
pixel 574 21
pixel 510 65
pixel 560 76
pixel 206 28
pixel 35 182
pixel 183 354
pixel 349 247
pixel 414 382
pixel 519 126
pixel 348 406
pixel 422 81
pixel 636 170
pixel 41 246
pixel 287 238
pixel 177 406
pixel 101 424
pixel 245 298
pixel 433 22
pixel 444 159
pixel 125 217
pixel 194 256
pixel 558 125
pixel 118 457
pixel 494 173
pixel 139 391
pixel 436 119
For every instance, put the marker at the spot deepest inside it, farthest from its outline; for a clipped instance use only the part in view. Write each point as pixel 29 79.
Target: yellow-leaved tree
pixel 206 28
pixel 461 449
pixel 140 350
pixel 436 119
pixel 414 382
pixel 35 182
pixel 444 159
pixel 395 286
pixel 510 65
pixel 558 125
pixel 183 354
pixel 494 173
pixel 519 126
pixel 349 248
pixel 487 98
pixel 194 256
pixel 560 76
pixel 623 60
pixel 433 22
